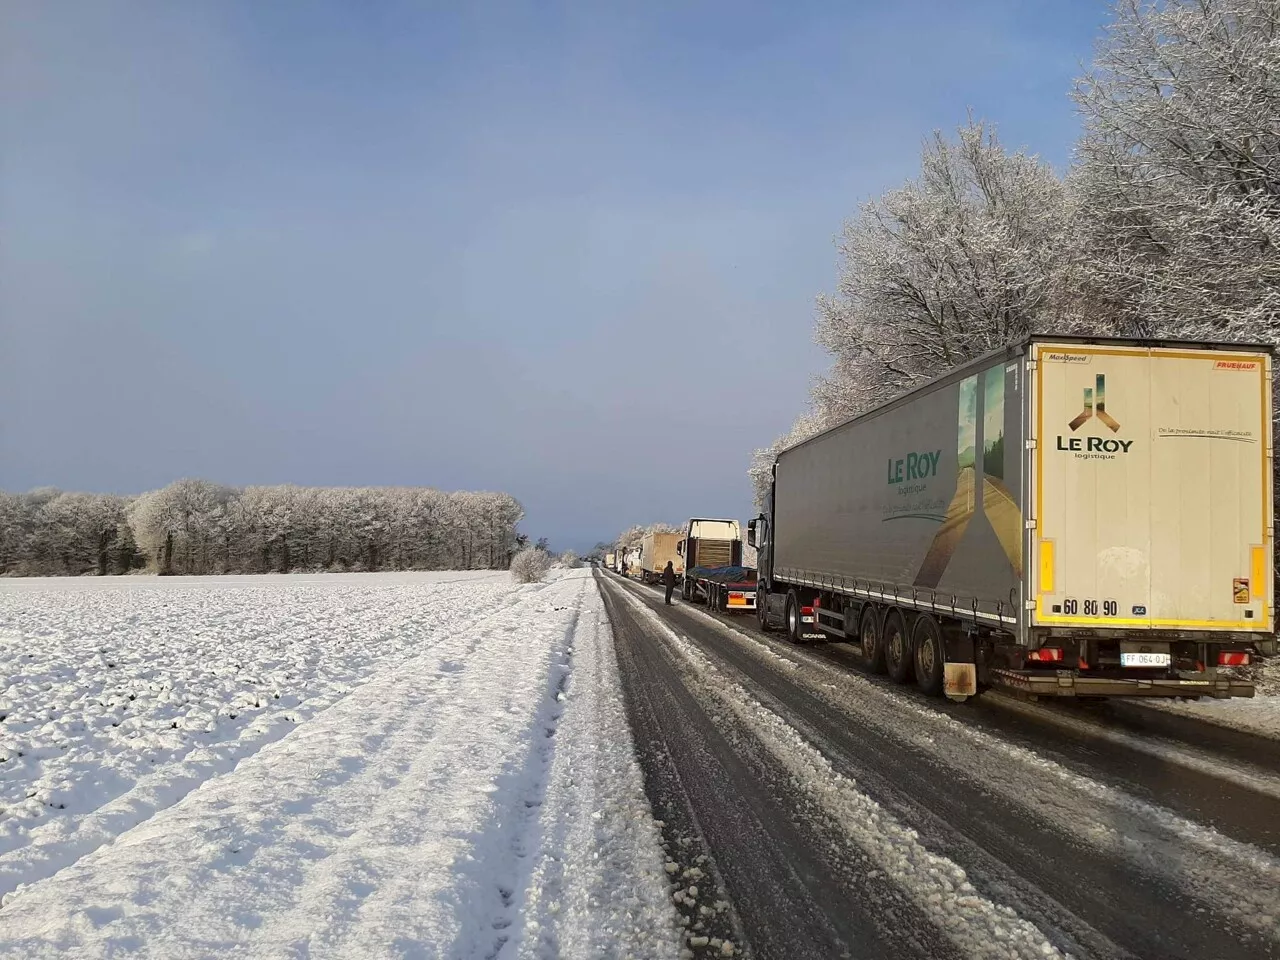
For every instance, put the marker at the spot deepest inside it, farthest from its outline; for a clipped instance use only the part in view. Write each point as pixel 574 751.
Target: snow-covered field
pixel 366 765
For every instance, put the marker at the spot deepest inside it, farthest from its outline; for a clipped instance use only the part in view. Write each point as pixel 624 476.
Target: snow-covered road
pixel 840 815
pixel 471 793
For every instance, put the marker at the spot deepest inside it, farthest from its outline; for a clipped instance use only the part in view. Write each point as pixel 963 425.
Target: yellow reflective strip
pixel 1252 626
pixel 1258 572
pixel 1046 566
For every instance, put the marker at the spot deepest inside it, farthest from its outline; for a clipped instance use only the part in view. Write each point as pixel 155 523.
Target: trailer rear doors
pixel 1150 486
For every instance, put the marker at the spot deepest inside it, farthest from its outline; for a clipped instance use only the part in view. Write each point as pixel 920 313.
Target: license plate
pixel 1144 659
pixel 737 602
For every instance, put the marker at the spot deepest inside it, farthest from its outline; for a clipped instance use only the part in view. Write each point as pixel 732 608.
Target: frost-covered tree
pixel 955 263
pixel 962 260
pixel 530 565
pixel 197 527
pixel 181 527
pixel 1177 182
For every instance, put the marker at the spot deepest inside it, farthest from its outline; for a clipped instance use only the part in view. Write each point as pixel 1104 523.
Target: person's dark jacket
pixel 669 575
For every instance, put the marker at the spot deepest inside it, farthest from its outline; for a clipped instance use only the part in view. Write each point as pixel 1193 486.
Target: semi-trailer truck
pixel 655 550
pixel 1065 517
pixel 709 544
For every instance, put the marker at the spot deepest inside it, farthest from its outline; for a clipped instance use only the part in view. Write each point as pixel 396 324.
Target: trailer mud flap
pixel 959 680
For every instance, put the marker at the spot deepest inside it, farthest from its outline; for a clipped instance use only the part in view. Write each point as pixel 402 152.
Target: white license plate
pixel 1144 659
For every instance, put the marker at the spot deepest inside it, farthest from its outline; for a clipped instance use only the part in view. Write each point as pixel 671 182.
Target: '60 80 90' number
pixel 1072 607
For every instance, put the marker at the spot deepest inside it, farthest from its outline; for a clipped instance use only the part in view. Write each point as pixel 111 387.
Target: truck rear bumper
pixel 1067 684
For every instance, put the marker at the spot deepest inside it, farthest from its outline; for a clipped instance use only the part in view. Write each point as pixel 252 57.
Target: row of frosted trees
pixel 197 527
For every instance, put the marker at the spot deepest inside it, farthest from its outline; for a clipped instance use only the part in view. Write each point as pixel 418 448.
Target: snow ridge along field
pixel 475 796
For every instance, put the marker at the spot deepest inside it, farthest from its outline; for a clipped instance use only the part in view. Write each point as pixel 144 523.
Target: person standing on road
pixel 669 580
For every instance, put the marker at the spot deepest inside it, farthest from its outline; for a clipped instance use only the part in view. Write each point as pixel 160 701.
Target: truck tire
pixel 897 647
pixel 793 618
pixel 871 639
pixel 762 612
pixel 930 655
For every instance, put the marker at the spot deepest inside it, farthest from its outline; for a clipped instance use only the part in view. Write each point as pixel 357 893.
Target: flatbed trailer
pixel 727 589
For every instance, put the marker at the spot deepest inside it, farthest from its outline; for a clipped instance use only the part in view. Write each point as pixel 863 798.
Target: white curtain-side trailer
pixel 1065 517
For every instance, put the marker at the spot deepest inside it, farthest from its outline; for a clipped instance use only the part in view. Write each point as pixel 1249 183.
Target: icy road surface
pixel 835 814
pixel 368 766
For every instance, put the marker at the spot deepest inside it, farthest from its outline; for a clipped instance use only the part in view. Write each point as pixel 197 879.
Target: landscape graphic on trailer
pixel 960 512
pixel 998 503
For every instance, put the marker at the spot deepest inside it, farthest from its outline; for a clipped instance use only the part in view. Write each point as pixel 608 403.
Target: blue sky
pixel 568 251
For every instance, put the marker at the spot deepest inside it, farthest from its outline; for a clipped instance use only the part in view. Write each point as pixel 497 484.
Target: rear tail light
pixel 806 611
pixel 1233 659
pixel 1046 655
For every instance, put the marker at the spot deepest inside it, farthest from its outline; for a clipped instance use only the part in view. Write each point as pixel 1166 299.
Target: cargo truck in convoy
pixel 655 550
pixel 1065 517
pixel 714 575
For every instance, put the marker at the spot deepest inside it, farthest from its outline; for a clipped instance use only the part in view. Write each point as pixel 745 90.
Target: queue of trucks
pixel 1063 517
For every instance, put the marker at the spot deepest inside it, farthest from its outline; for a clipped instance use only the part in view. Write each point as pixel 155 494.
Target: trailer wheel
pixel 929 655
pixel 793 618
pixel 872 639
pixel 897 647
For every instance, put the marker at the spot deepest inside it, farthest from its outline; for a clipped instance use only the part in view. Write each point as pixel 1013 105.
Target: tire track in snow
pixel 511 831
pixel 1213 892
pixel 977 926
pixel 1169 770
pixel 597 889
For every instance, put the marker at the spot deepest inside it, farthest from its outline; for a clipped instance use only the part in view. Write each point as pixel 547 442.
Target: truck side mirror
pixel 751 533
pixel 680 548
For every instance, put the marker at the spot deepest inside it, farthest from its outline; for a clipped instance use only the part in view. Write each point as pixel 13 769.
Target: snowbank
pixel 445 772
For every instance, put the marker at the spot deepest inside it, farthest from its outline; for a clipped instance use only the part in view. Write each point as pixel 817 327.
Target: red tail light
pixel 1233 659
pixel 806 611
pixel 1046 654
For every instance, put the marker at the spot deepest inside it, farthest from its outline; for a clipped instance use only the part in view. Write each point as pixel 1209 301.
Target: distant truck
pixel 631 562
pixel 611 561
pixel 655 550
pixel 714 575
pixel 1062 518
